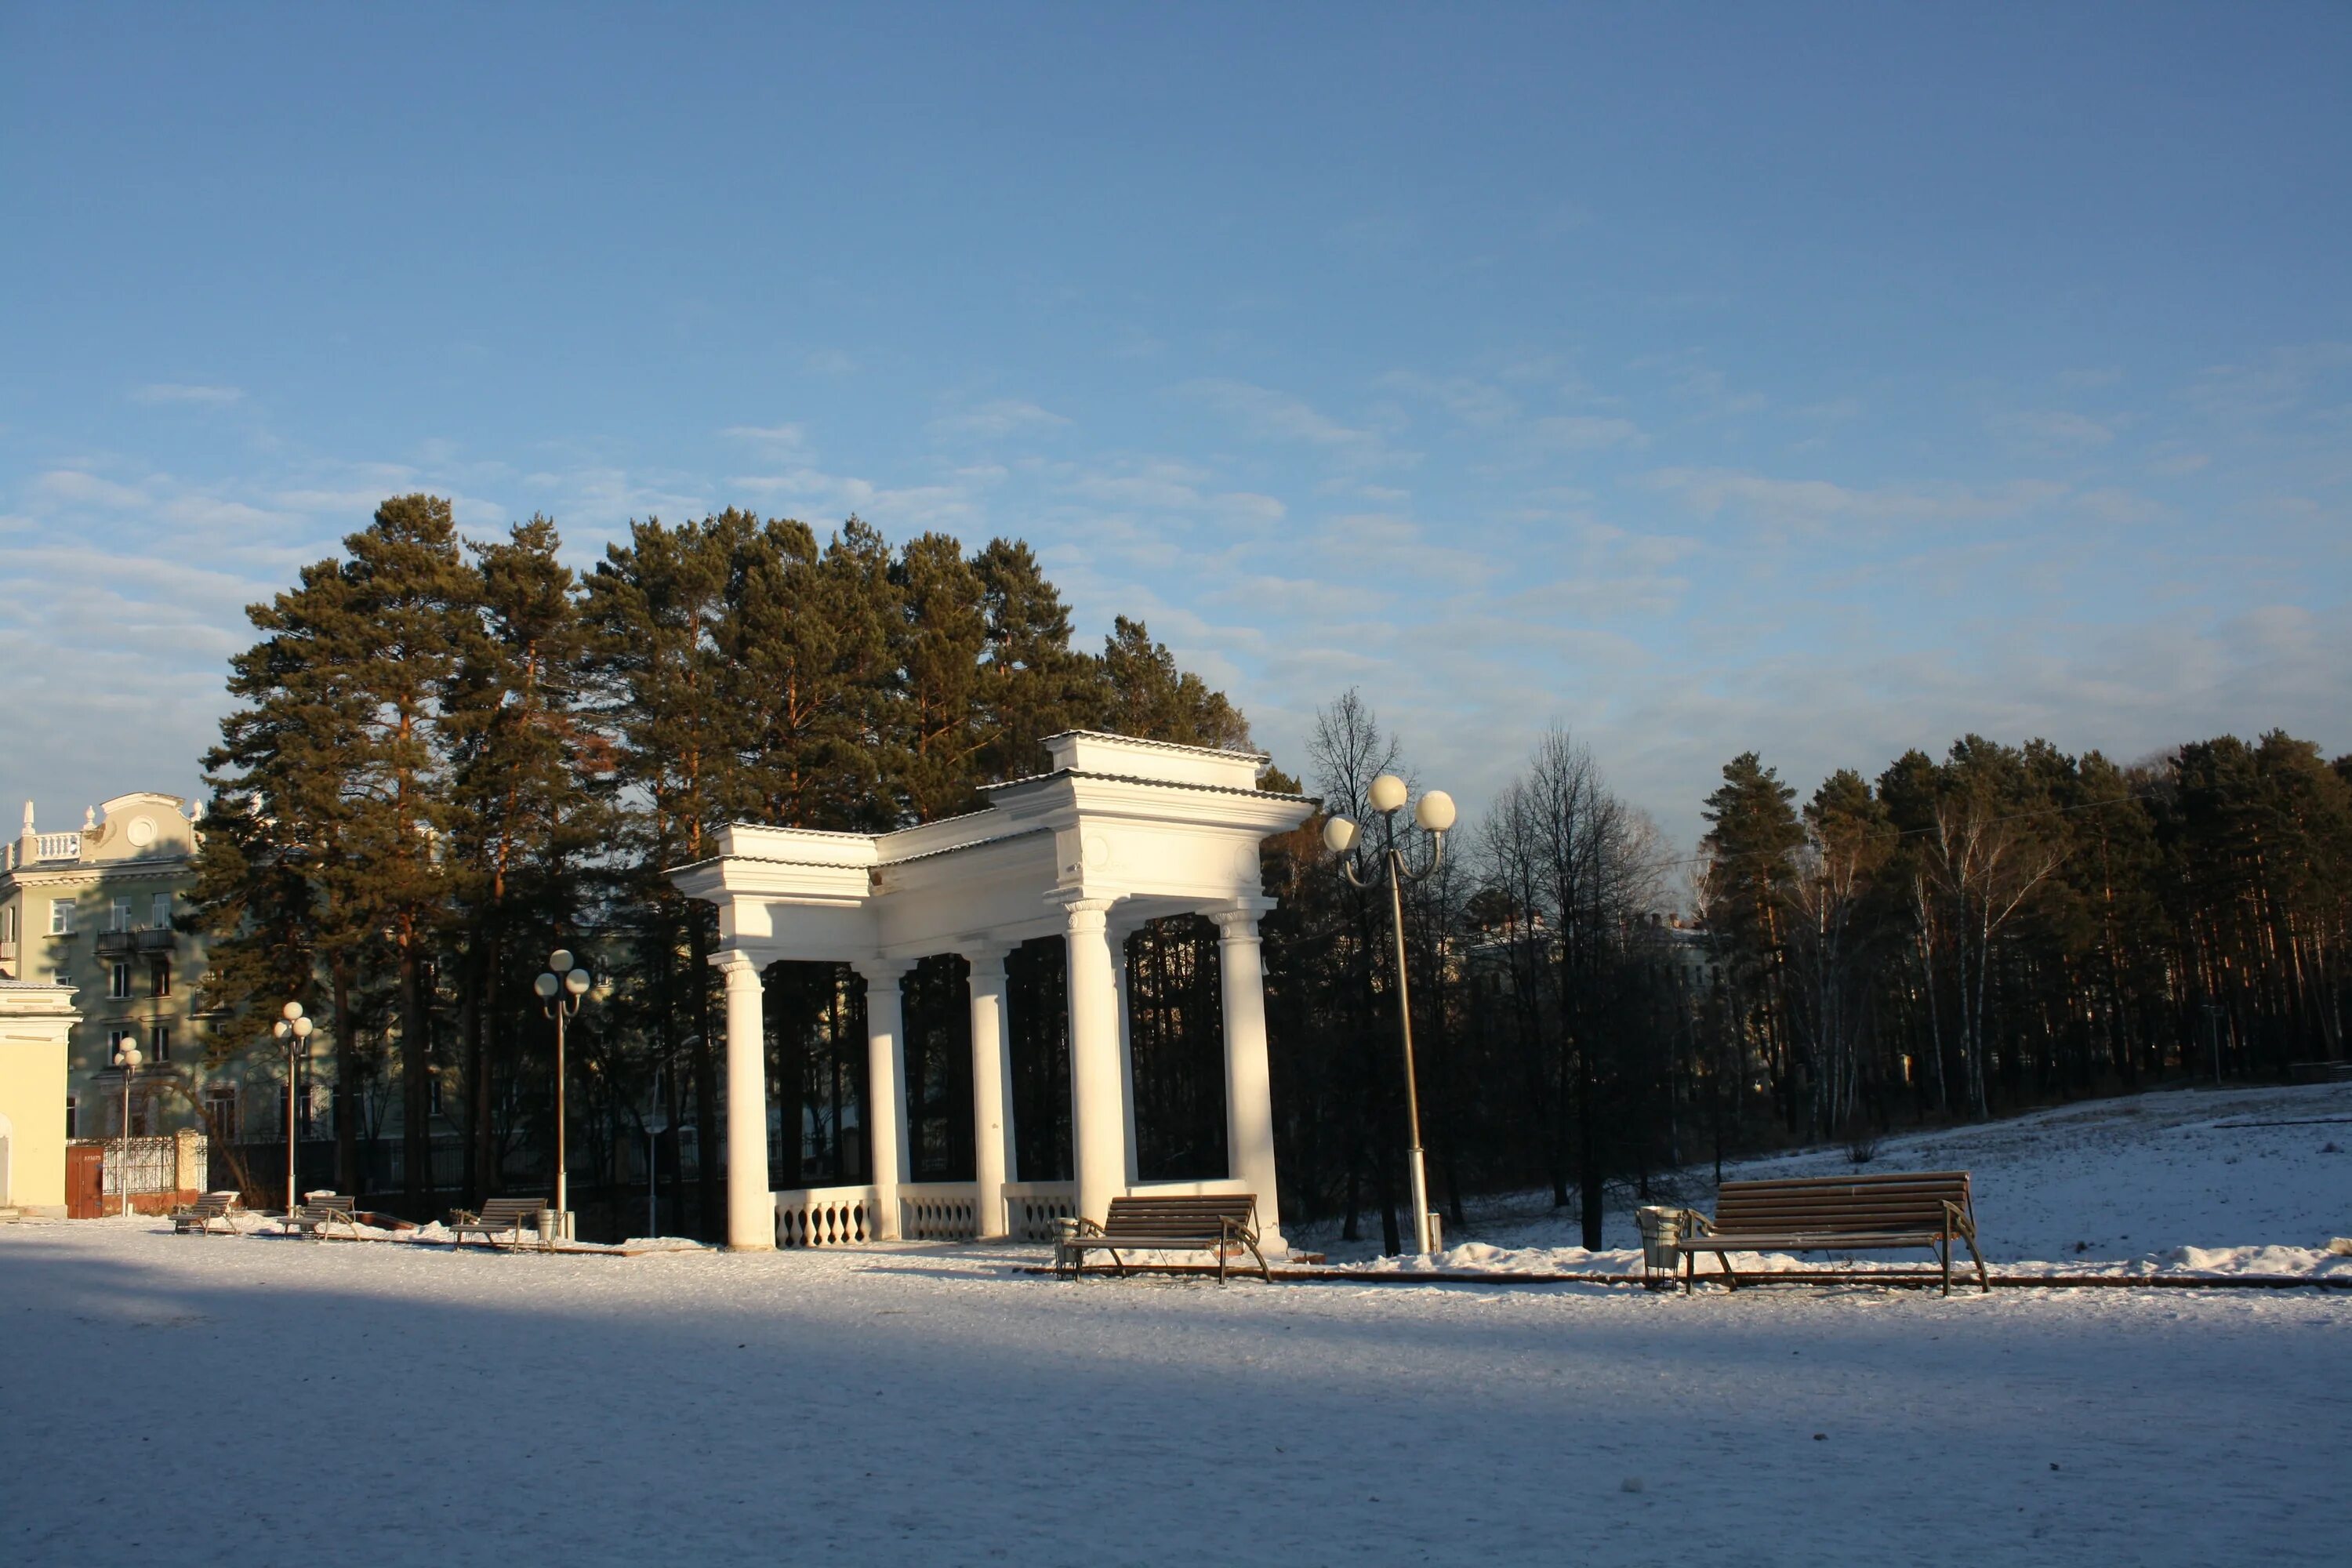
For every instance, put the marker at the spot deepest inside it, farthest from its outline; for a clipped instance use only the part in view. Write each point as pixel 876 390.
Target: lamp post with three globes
pixel 1435 813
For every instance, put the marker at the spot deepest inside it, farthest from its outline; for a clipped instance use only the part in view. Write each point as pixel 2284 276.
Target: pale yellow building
pixel 91 909
pixel 35 1023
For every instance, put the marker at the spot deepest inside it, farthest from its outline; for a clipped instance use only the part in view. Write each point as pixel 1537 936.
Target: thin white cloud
pixel 998 419
pixel 164 392
pixel 1821 504
pixel 2268 385
pixel 788 442
pixel 1278 416
pixel 1586 432
pixel 2053 428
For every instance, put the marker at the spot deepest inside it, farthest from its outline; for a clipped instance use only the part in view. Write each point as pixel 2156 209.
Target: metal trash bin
pixel 1661 1229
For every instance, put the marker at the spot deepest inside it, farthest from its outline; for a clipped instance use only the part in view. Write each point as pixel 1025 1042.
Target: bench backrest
pixel 1183 1217
pixel 1914 1201
pixel 512 1211
pixel 213 1203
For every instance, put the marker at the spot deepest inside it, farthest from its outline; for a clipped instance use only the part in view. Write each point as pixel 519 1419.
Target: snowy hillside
pixel 2109 1181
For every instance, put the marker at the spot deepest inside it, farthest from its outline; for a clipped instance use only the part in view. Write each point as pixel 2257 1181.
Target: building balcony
pixel 129 944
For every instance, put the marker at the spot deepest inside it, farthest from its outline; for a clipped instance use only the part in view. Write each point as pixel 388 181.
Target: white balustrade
pixel 939 1211
pixel 58 845
pixel 824 1217
pixel 1032 1207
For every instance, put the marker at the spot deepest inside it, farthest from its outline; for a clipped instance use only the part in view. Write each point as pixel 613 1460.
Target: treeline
pixel 1952 940
pixel 448 757
pixel 2011 925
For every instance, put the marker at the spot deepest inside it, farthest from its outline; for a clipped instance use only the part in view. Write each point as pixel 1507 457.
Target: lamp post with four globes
pixel 293 1031
pixel 561 989
pixel 1435 813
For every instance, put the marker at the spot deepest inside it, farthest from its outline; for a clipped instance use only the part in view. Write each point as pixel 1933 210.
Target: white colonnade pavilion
pixel 1117 832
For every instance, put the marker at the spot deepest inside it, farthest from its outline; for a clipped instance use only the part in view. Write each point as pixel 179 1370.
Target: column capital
pixel 879 970
pixel 739 966
pixel 986 960
pixel 1237 921
pixel 1087 914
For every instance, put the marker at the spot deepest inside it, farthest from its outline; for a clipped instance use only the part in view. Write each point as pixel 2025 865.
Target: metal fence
pixel 140 1165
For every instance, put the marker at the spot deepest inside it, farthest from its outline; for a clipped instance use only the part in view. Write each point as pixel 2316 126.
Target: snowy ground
pixel 252 1400
pixel 2184 1180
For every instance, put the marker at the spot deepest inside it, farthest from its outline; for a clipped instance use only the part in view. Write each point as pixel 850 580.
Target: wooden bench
pixel 319 1213
pixel 213 1208
pixel 1224 1223
pixel 499 1216
pixel 1836 1214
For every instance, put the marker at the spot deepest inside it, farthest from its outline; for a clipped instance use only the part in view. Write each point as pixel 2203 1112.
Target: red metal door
pixel 85 1181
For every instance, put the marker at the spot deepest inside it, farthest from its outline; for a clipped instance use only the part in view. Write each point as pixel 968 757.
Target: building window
pixel 118 915
pixel 117 980
pixel 159 977
pixel 73 1117
pixel 159 910
pixel 220 1111
pixel 435 1087
pixel 118 1038
pixel 8 923
pixel 60 918
pixel 159 1043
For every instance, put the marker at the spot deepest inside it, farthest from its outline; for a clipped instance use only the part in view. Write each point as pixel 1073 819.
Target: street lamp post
pixel 127 1056
pixel 657 1123
pixel 1435 815
pixel 561 989
pixel 293 1032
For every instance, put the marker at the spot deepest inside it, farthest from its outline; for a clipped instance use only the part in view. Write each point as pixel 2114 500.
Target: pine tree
pixel 1145 694
pixel 1750 844
pixel 655 608
pixel 408 589
pixel 527 813
pixel 804 664
pixel 276 876
pixel 938 636
pixel 1033 684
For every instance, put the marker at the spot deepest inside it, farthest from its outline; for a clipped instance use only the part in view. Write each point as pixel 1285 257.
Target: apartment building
pixel 92 909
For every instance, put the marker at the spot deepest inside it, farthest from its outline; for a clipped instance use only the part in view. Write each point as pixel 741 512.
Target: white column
pixel 1097 1121
pixel 886 1088
pixel 1249 1088
pixel 991 1089
pixel 750 1202
pixel 1119 935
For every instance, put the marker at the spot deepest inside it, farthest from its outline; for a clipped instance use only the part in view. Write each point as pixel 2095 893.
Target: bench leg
pixel 1982 1283
pixel 1947 1265
pixel 1730 1280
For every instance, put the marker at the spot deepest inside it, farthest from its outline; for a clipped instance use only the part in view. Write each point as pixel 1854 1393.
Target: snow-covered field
pixel 249 1400
pixel 2197 1182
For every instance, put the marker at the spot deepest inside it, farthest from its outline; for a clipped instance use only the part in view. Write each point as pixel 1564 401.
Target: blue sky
pixel 1821 381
